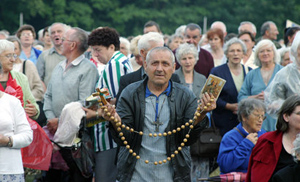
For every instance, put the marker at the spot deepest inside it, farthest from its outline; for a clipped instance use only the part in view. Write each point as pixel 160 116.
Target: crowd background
pixel 129 20
pixel 128 16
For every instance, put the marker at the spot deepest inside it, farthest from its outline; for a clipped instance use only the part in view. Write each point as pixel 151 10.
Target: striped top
pixel 117 66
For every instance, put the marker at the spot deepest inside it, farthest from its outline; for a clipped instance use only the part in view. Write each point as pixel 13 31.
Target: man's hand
pixel 52 125
pixel 208 103
pixel 30 109
pixel 232 107
pixel 252 137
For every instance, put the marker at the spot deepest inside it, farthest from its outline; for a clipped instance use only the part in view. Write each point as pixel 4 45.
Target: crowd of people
pixel 155 107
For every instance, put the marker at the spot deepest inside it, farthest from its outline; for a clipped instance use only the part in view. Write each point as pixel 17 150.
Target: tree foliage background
pixel 129 16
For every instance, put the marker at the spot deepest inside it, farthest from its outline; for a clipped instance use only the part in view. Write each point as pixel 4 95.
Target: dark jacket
pixel 131 108
pixel 225 119
pixel 289 173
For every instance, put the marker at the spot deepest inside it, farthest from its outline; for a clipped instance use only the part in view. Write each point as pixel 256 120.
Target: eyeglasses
pixel 11 56
pixel 64 39
pixel 26 34
pixel 263 117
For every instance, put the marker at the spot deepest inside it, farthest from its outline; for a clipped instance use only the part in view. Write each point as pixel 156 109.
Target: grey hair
pixel 134 45
pixel 245 23
pixel 247 106
pixel 126 43
pixel 81 38
pixel 232 41
pixel 220 25
pixel 162 49
pixel 6 45
pixel 192 26
pixel 180 30
pixel 185 49
pixel 3 33
pixel 263 43
pixel 265 26
pixel 15 39
pixel 282 52
pixel 175 36
pixel 144 42
pixel 65 27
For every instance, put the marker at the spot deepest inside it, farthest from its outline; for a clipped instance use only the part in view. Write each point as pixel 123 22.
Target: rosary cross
pixel 101 93
pixel 157 124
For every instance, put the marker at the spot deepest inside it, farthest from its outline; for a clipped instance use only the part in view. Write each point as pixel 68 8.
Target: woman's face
pixel 266 54
pixel 187 62
pixel 17 48
pixel 175 43
pixel 26 37
pixel 215 42
pixel 7 60
pixel 47 39
pixel 254 121
pixel 293 120
pixel 235 53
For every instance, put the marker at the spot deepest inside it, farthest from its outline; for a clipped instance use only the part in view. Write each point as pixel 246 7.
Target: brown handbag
pixel 208 142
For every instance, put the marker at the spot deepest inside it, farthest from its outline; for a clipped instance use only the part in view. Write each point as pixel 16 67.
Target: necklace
pixel 157 114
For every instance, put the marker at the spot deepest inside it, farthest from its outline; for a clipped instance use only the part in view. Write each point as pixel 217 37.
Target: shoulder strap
pixel 24 63
pixel 239 132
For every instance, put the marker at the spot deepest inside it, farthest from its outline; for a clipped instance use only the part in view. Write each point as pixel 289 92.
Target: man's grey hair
pixel 265 43
pixel 245 23
pixel 81 37
pixel 185 49
pixel 232 41
pixel 144 42
pixel 247 106
pixel 162 49
pixel 65 27
pixel 192 26
pixel 265 26
pixel 126 43
pixel 6 45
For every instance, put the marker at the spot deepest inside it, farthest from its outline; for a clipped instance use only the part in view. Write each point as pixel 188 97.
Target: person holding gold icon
pixel 155 121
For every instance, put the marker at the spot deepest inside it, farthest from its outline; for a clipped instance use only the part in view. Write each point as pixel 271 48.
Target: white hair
pixel 220 25
pixel 263 43
pixel 126 43
pixel 144 42
pixel 245 23
pixel 6 45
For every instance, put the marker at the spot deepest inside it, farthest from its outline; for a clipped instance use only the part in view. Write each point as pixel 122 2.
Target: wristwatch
pixel 9 143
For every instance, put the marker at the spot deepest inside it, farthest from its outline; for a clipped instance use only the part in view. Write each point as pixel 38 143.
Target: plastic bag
pixel 38 154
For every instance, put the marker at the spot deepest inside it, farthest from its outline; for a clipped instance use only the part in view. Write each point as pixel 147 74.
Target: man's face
pixel 272 32
pixel 248 42
pixel 57 32
pixel 150 29
pixel 159 68
pixel 67 43
pixel 192 36
pixel 103 53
